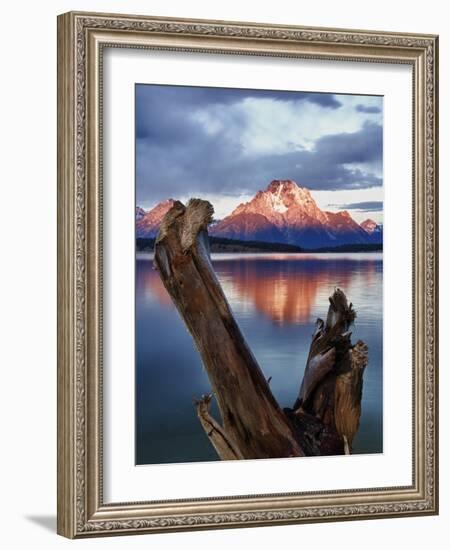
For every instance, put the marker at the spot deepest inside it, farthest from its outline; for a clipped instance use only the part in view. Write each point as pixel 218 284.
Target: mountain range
pixel 283 213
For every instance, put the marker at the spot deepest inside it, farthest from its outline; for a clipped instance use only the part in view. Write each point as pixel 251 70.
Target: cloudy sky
pixel 226 144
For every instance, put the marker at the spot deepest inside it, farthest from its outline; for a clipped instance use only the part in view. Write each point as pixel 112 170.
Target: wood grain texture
pixel 327 411
pixel 251 416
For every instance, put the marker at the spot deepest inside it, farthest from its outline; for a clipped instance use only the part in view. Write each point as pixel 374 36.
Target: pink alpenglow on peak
pixel 374 230
pixel 369 225
pixel 287 213
pixel 147 224
pixel 284 213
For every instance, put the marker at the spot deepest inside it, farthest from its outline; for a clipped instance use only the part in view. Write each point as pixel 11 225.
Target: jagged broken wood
pixel 325 416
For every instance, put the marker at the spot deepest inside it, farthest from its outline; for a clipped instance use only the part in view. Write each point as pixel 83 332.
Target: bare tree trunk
pixel 252 419
pixel 331 389
pixel 253 424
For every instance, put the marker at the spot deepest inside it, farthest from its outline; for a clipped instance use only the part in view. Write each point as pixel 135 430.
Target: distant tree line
pixel 220 244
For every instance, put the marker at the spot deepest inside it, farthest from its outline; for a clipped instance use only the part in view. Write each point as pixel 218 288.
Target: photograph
pixel 280 351
pixel 224 331
pixel 247 273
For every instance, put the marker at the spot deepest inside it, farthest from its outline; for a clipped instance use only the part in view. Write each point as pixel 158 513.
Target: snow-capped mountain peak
pixel 147 224
pixel 140 213
pixel 280 199
pixel 370 226
pixel 283 213
pixel 287 213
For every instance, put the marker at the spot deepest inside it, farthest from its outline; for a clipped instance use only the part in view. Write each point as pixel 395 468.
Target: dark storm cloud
pixel 364 146
pixel 193 96
pixel 367 206
pixel 324 100
pixel 175 155
pixel 371 109
pixel 161 110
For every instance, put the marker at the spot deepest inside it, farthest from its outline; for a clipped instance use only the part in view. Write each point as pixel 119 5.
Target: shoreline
pixel 230 246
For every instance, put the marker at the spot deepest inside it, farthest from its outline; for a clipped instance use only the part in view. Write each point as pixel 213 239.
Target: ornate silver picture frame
pixel 83 39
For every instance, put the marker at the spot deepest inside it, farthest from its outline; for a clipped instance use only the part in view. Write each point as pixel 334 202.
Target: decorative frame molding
pixel 81 38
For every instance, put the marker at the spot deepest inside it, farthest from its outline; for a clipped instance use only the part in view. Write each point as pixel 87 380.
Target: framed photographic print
pixel 247 290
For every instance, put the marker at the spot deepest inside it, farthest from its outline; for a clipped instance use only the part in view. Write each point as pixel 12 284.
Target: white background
pixel 123 482
pixel 28 274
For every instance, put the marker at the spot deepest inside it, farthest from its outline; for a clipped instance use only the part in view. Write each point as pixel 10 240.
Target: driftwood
pixel 325 416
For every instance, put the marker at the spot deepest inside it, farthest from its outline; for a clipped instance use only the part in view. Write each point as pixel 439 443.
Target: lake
pixel 276 299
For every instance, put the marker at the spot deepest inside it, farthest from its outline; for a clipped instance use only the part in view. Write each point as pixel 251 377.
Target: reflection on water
pixel 276 299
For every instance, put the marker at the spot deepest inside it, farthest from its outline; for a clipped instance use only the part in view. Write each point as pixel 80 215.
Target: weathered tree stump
pixel 326 414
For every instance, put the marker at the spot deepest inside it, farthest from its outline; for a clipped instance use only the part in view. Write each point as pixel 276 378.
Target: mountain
pixel 287 213
pixel 140 213
pixel 147 223
pixel 374 229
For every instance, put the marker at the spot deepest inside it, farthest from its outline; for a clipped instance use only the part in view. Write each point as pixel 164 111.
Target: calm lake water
pixel 276 299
